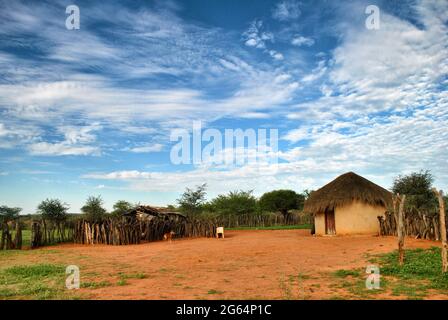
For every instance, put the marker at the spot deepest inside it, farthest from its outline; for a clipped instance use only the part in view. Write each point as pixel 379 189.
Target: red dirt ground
pixel 244 265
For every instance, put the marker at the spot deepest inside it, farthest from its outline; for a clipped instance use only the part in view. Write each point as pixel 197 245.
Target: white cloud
pixel 286 11
pixel 61 149
pixel 254 115
pixel 255 36
pixel 147 148
pixel 399 70
pixel 74 135
pixel 251 42
pixel 302 41
pixel 3 131
pixel 399 67
pixel 276 55
pixel 16 134
pixel 76 142
pixel 251 177
pixel 296 135
pixel 316 73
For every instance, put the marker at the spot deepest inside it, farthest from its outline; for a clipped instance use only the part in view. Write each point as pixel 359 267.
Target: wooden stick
pixel 401 230
pixel 439 195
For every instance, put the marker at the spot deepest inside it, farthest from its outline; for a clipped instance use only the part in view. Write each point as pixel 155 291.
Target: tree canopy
pixel 417 186
pixel 235 202
pixel 121 207
pixel 192 200
pixel 53 210
pixel 281 201
pixel 8 214
pixel 93 209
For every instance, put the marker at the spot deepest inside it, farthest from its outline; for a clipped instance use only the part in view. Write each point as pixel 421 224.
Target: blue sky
pixel 90 111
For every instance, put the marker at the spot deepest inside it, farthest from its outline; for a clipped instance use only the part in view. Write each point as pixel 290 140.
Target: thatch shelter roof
pixel 344 190
pixel 153 211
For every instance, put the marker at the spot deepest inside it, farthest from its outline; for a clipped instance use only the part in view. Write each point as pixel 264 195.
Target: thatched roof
pixel 344 190
pixel 153 211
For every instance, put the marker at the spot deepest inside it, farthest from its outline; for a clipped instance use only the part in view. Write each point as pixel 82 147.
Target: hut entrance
pixel 330 224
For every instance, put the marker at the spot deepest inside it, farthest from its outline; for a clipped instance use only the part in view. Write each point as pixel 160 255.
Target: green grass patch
pixel 420 273
pixel 213 291
pixel 39 271
pixel 26 237
pixel 292 286
pixel 95 285
pixel 39 281
pixel 133 275
pixel 122 282
pixel 346 273
pixel 420 266
pixel 300 226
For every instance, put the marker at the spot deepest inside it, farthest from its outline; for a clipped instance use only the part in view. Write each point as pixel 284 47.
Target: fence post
pixel 439 195
pixel 36 235
pixel 401 230
pixel 18 236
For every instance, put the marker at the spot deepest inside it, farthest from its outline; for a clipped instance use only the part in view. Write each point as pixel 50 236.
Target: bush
pixel 93 209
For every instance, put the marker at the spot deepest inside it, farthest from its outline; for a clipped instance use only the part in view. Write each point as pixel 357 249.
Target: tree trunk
pixel 439 195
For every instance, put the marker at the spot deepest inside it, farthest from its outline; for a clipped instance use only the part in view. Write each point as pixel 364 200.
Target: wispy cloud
pixel 287 10
pixel 157 147
pixel 61 149
pixel 302 41
pixel 255 36
pixel 76 142
pixel 343 97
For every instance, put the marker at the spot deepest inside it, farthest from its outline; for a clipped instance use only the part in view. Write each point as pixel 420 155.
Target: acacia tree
pixel 8 214
pixel 281 201
pixel 121 207
pixel 192 200
pixel 417 186
pixel 54 211
pixel 93 209
pixel 235 202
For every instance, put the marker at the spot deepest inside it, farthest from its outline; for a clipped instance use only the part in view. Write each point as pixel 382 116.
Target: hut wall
pixel 358 218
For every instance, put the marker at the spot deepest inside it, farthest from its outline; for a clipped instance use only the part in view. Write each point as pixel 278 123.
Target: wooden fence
pixel 7 241
pixel 44 233
pixel 417 225
pixel 267 220
pixel 129 230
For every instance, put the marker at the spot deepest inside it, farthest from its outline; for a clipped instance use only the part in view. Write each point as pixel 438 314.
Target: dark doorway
pixel 330 223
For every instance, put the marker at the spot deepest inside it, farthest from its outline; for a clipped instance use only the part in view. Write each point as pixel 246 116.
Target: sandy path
pixel 244 265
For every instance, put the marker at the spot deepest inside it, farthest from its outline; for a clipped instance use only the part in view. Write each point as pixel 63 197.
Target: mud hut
pixel 350 204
